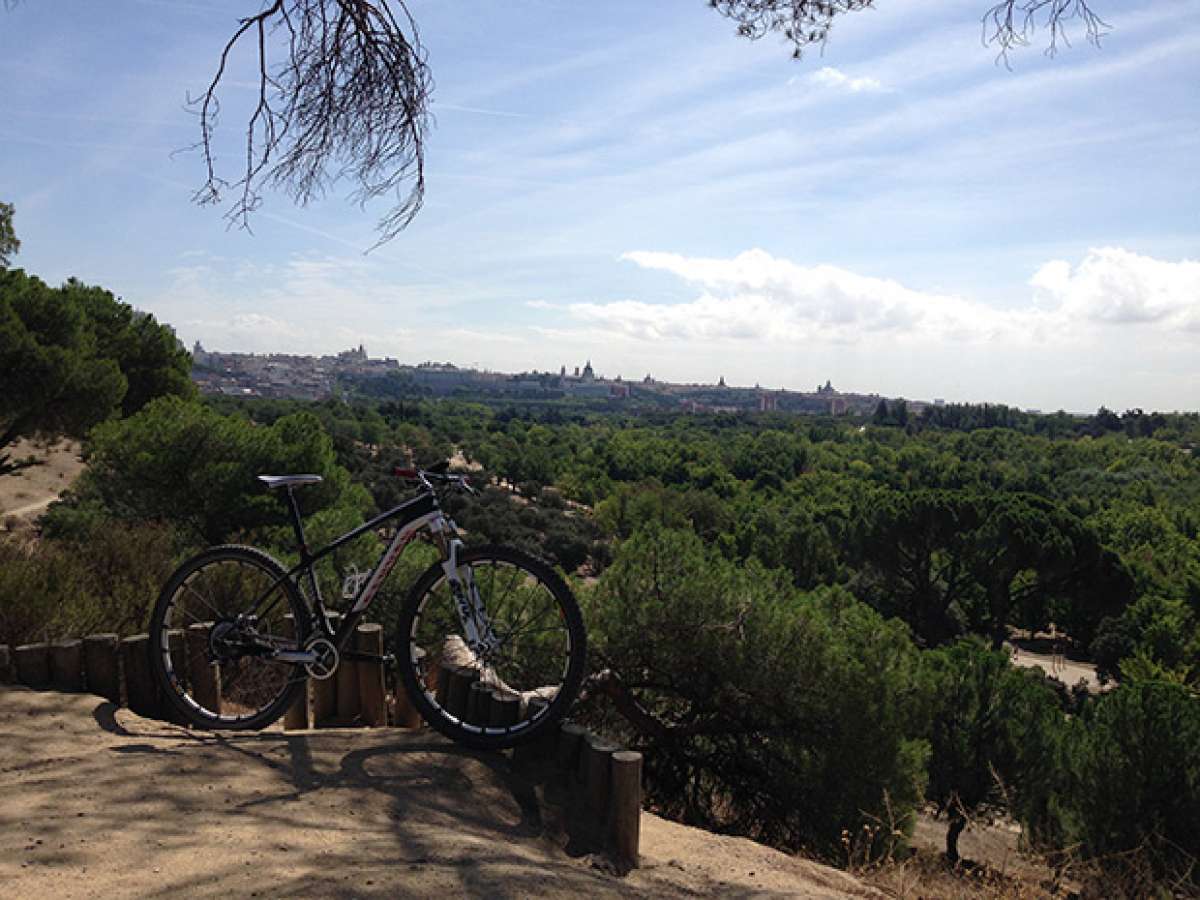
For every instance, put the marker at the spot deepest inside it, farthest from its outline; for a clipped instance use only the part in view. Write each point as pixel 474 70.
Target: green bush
pixel 993 732
pixel 1133 763
pixel 784 716
pixel 184 463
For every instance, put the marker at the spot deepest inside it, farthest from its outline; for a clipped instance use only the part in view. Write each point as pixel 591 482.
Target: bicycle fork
pixel 472 614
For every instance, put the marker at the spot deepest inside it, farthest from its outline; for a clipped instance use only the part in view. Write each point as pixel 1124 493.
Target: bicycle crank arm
pixel 359 656
pixel 296 656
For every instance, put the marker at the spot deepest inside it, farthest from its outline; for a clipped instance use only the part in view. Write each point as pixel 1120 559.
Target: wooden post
pixel 570 736
pixel 506 709
pixel 177 646
pixel 101 667
pixel 140 689
pixel 6 671
pixel 324 690
pixel 595 756
pixel 540 750
pixel 404 711
pixel 445 670
pixel 461 680
pixel 296 716
pixel 33 665
pixel 204 675
pixel 479 703
pixel 349 706
pixel 372 695
pixel 625 808
pixel 66 665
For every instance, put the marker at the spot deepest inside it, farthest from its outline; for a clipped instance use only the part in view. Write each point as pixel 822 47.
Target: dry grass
pixel 925 874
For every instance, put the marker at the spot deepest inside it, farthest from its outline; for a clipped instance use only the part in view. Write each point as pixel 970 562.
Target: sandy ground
pixel 1070 672
pixel 99 802
pixel 26 494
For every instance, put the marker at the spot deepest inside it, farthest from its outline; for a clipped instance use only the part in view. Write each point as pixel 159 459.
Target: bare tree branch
pixel 1009 24
pixel 347 99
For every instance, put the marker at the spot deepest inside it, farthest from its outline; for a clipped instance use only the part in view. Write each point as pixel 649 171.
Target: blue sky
pixel 633 183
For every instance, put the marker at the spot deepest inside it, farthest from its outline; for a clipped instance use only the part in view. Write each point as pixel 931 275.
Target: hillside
pixel 99 802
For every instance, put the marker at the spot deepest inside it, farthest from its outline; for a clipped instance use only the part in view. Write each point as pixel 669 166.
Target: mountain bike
pixel 506 615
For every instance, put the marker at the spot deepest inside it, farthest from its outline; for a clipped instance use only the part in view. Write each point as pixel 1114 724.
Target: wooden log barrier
pixel 66 666
pixel 296 717
pixel 33 665
pixel 461 680
pixel 348 706
pixel 324 690
pixel 140 689
pixel 406 714
pixel 445 670
pixel 625 808
pixel 102 666
pixel 506 709
pixel 479 703
pixel 539 751
pixel 595 755
pixel 372 695
pixel 570 736
pixel 177 644
pixel 6 669
pixel 203 674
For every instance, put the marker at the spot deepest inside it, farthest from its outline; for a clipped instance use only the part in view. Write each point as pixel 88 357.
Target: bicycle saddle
pixel 278 481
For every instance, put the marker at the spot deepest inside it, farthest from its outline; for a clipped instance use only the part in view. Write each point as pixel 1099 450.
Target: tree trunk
pixel 957 824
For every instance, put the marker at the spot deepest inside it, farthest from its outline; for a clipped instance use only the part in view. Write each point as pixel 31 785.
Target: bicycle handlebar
pixel 439 475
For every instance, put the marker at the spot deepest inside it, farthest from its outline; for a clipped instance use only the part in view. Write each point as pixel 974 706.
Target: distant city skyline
pixel 634 182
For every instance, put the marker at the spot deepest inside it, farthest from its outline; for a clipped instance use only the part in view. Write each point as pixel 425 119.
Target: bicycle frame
pixel 421 513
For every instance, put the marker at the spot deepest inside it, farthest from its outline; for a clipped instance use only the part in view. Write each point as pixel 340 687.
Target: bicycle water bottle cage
pixel 353 582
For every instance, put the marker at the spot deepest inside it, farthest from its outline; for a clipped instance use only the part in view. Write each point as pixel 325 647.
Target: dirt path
pixel 1069 672
pixel 28 508
pixel 26 494
pixel 98 802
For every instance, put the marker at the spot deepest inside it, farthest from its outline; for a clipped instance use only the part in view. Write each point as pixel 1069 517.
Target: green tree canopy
pixel 953 561
pixel 784 716
pixel 182 462
pixel 992 733
pixel 72 356
pixel 9 245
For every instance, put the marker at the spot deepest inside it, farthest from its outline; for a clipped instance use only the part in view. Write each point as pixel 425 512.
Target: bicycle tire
pixel 421 625
pixel 222 582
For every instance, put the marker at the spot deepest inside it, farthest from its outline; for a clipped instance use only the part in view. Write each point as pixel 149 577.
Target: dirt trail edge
pixel 99 802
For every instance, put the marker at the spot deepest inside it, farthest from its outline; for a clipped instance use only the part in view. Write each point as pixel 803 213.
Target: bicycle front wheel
pixel 529 646
pixel 214 631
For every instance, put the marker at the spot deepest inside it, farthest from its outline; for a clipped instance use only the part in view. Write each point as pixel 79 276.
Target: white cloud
pixel 1115 286
pixel 831 77
pixel 760 297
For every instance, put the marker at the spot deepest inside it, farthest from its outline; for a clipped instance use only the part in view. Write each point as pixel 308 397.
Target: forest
pixel 806 623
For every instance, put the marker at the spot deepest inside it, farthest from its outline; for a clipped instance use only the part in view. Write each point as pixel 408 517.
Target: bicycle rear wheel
pixel 535 662
pixel 231 606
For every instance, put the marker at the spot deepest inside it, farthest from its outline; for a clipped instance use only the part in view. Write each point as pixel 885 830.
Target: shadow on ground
pixel 99 802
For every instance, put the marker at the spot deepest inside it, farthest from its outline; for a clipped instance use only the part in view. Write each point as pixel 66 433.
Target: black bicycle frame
pixel 407 512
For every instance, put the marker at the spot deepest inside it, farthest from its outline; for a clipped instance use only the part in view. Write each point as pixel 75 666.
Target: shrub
pixel 763 711
pixel 1134 771
pixel 56 589
pixel 992 737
